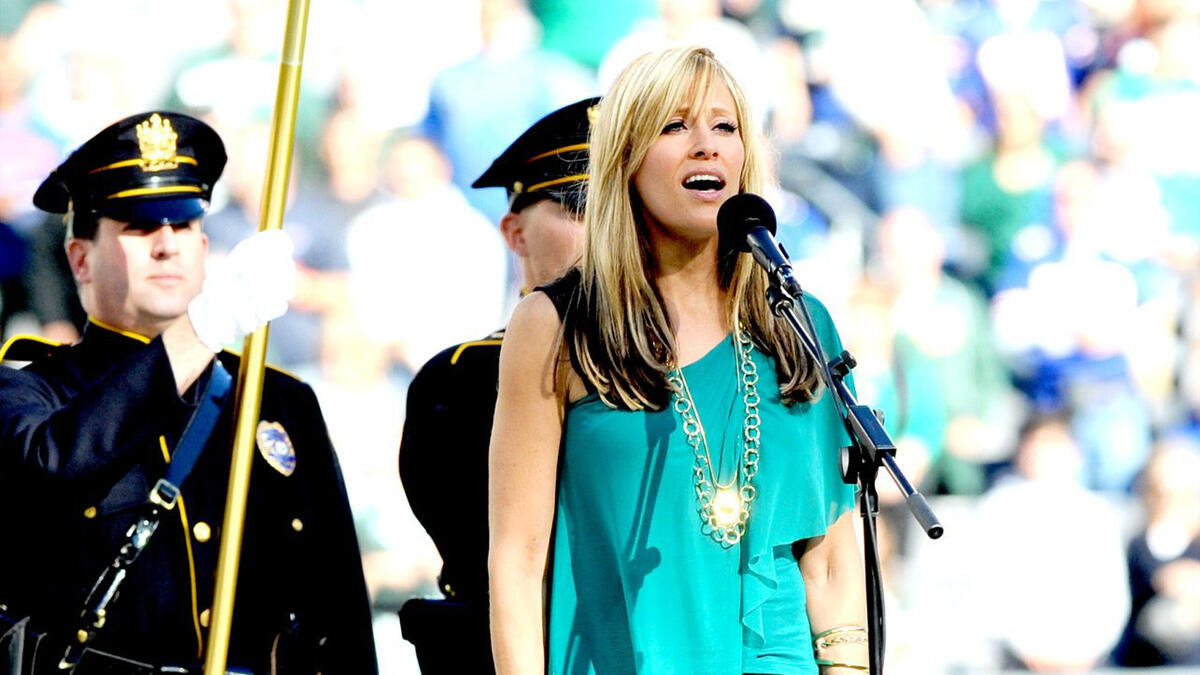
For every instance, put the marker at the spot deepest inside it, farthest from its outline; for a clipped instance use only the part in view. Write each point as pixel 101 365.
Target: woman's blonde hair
pixel 616 328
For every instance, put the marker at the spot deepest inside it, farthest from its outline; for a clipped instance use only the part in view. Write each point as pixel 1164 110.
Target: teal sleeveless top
pixel 635 586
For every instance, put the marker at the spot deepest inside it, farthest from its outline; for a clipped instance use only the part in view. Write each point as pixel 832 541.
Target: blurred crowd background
pixel 999 200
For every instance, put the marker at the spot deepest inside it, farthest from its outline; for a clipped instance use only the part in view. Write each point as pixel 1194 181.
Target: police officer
pixel 87 430
pixel 443 452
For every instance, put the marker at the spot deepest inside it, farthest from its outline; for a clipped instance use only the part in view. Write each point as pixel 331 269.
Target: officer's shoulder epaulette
pixel 493 340
pixel 233 359
pixel 30 348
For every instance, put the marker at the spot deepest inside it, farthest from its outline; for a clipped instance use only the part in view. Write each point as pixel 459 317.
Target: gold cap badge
pixel 157 141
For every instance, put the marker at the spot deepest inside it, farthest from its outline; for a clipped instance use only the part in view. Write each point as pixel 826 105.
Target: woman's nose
pixel 703 145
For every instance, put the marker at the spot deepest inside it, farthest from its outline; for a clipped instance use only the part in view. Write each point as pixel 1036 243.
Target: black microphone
pixel 746 222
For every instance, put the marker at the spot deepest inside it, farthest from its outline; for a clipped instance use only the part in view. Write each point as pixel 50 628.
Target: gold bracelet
pixel 840 635
pixel 839 629
pixel 830 641
pixel 838 664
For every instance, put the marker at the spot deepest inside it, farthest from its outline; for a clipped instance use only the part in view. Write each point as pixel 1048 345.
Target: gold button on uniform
pixel 89 512
pixel 297 524
pixel 204 617
pixel 202 531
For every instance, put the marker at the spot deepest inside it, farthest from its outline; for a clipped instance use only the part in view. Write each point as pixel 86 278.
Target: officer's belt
pixel 20 653
pixel 163 497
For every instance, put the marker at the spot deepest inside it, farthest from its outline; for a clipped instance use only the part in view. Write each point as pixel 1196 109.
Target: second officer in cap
pixel 94 436
pixel 443 452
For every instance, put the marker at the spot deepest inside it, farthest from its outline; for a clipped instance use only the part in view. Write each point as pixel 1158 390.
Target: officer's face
pixel 549 238
pixel 138 277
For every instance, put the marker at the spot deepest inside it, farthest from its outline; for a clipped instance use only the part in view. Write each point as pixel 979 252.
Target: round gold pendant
pixel 727 507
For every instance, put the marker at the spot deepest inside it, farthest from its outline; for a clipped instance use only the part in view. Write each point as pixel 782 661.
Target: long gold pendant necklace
pixel 724 507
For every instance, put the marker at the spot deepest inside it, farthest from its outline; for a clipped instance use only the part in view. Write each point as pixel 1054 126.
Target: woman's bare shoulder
pixel 535 333
pixel 534 316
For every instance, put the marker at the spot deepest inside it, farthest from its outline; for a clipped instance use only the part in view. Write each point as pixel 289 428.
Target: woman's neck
pixel 695 303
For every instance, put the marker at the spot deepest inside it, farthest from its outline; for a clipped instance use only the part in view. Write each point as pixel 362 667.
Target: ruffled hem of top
pixel 758 556
pixel 816 488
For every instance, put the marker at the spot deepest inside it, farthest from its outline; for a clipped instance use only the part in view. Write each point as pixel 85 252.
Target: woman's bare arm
pixel 523 462
pixel 831 566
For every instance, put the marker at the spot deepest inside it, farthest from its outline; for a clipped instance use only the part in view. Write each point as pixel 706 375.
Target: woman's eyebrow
pixel 716 110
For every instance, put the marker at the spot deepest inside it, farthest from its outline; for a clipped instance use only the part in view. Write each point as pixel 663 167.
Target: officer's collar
pixel 108 342
pixel 106 345
pixel 95 325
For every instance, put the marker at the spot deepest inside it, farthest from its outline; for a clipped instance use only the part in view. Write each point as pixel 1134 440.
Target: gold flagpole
pixel 254 350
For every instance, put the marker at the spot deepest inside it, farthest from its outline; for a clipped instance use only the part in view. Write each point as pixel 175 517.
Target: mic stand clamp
pixel 870 448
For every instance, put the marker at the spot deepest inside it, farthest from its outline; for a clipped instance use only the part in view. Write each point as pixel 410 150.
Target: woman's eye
pixel 727 127
pixel 677 125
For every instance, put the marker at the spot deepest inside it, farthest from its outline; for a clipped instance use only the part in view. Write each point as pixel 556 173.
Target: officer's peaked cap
pixel 548 161
pixel 153 168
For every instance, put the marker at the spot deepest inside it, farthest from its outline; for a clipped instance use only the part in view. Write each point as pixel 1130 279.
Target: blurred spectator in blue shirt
pixel 477 105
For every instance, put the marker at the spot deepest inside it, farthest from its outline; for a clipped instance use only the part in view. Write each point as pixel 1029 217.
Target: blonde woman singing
pixel 660 438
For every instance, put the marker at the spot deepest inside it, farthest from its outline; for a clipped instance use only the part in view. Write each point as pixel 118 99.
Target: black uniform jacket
pixel 84 431
pixel 443 466
pixel 443 459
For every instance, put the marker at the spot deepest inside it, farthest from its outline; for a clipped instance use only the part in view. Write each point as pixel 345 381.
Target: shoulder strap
pixel 576 313
pixel 163 497
pixel 562 290
pixel 196 433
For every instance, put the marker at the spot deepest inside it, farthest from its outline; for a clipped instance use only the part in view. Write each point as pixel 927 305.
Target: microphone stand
pixel 870 448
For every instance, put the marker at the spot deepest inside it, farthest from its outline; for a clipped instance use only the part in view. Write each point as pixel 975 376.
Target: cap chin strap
pixel 72 216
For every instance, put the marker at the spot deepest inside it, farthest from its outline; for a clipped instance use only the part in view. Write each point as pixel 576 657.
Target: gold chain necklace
pixel 724 508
